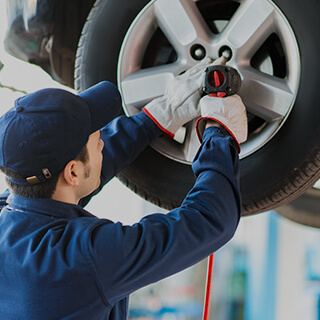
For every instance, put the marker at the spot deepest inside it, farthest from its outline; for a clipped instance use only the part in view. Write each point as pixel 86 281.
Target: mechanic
pixel 58 261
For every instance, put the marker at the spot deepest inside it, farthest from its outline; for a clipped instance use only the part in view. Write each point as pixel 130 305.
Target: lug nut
pixel 226 52
pixel 198 52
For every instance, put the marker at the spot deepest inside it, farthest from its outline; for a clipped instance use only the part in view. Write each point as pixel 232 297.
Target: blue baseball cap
pixel 48 128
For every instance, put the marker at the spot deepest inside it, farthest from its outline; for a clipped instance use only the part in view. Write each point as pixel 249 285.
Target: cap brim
pixel 105 103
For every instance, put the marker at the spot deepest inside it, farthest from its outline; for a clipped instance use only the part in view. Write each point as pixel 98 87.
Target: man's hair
pixel 41 190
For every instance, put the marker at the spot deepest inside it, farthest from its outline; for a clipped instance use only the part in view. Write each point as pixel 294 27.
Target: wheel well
pixel 69 18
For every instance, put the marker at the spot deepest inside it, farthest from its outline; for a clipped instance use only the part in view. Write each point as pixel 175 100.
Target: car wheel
pixel 141 45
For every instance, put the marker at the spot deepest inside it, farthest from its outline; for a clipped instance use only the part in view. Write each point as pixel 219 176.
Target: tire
pixel 121 42
pixel 304 210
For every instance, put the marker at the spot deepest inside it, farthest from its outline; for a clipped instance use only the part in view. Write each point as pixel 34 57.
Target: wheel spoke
pixel 266 96
pixel 181 22
pixel 144 85
pixel 249 27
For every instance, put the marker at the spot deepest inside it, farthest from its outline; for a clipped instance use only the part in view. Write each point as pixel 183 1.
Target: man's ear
pixel 72 172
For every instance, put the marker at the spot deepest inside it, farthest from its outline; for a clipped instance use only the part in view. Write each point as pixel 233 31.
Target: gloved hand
pixel 180 103
pixel 230 112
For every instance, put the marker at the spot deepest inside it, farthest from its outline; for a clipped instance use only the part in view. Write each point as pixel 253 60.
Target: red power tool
pixel 220 81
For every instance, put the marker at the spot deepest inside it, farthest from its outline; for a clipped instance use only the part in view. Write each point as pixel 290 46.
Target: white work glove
pixel 230 112
pixel 180 103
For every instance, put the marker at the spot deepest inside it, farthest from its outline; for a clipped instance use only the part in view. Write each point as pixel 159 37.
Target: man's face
pixel 94 164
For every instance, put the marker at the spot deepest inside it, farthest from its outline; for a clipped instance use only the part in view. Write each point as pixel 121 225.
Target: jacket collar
pixel 47 207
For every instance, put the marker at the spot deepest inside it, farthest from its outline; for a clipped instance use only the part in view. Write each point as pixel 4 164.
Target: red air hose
pixel 206 307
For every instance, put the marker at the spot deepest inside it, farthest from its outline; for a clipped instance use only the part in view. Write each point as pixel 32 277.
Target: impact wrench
pixel 219 81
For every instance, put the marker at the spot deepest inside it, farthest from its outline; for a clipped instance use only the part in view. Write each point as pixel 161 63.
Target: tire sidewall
pixel 103 41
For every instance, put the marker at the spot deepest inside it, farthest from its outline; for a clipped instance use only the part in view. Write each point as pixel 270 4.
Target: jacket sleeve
pixel 124 139
pixel 127 258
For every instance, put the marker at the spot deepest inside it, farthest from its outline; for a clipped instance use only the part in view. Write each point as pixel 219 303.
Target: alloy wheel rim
pixel 254 29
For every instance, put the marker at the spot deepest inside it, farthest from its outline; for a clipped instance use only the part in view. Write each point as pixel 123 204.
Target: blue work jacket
pixel 58 261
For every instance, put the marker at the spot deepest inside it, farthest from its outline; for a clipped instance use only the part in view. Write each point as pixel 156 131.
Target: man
pixel 60 262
